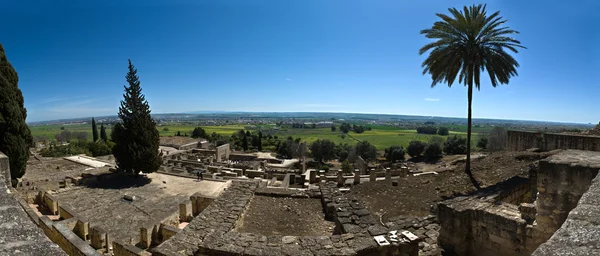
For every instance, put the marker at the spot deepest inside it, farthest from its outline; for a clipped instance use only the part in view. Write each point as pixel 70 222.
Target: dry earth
pixel 415 196
pixel 285 216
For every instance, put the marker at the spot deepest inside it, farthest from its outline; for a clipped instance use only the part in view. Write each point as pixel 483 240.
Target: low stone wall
pixel 18 234
pixel 293 193
pixel 121 249
pixel 578 235
pixel 66 239
pixel 562 180
pixel 489 222
pixel 213 232
pixel 212 223
pixel 567 141
pixel 470 226
pixel 522 140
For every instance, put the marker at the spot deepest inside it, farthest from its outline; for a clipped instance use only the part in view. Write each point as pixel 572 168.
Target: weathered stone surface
pixel 18 234
pixel 578 235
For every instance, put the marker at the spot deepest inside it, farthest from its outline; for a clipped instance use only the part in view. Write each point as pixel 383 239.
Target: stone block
pixel 98 238
pixel 82 228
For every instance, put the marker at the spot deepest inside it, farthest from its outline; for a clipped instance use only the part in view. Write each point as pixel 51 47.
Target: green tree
pixel 245 142
pixel 455 145
pixel 467 43
pixel 415 148
pixel 94 130
pixel 346 167
pixel 436 140
pixel 260 141
pixel 136 137
pixel 433 152
pixel 103 136
pixel 199 132
pixel 333 128
pixel 323 150
pixel 394 153
pixel 443 131
pixel 15 136
pixel 366 150
pixel 482 142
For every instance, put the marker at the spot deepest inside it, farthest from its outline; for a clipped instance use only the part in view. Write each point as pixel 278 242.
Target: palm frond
pixel 467 42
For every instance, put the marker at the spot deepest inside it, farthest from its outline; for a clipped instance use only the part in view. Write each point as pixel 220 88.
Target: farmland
pixel 380 136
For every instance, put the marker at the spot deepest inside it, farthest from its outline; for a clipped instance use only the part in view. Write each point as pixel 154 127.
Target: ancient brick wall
pixel 578 235
pixel 470 226
pixel 489 222
pixel 66 238
pixel 120 249
pixel 562 180
pixel 568 141
pixel 521 140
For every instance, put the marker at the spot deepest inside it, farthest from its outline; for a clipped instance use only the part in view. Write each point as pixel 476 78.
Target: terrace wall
pixel 522 140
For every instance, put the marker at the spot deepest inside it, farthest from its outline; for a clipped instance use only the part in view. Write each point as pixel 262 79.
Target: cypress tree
pixel 15 137
pixel 94 130
pixel 103 136
pixel 136 137
pixel 245 142
pixel 259 141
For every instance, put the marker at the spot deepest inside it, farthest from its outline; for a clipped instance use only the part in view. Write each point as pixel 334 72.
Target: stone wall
pixel 470 226
pixel 66 238
pixel 491 227
pixel 562 180
pixel 18 234
pixel 484 224
pixel 222 153
pixel 213 232
pixel 121 249
pixel 522 140
pixel 568 141
pixel 578 235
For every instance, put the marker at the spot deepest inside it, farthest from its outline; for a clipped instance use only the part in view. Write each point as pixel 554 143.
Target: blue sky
pixel 279 56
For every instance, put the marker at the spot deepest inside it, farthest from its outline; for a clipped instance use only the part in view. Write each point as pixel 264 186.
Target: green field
pixel 380 136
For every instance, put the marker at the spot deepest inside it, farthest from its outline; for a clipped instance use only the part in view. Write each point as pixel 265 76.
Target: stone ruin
pixel 552 212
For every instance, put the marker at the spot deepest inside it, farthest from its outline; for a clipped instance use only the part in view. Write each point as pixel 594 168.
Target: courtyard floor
pixel 157 195
pixel 285 216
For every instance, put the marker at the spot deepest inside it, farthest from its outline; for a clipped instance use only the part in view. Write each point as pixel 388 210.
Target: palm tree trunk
pixel 468 163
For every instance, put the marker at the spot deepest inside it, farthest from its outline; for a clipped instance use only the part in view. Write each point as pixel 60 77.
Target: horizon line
pixel 316 112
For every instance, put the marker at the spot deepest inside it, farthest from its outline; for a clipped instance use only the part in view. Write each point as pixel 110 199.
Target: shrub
pixel 325 167
pixel 394 153
pixel 433 152
pixel 455 145
pixel 415 148
pixel 366 150
pixel 436 140
pixel 482 142
pixel 427 130
pixel 346 167
pixel 443 131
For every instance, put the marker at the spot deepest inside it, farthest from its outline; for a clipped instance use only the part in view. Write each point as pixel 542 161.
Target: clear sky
pixel 283 56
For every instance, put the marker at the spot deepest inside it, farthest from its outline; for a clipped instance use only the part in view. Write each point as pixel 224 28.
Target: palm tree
pixel 466 44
